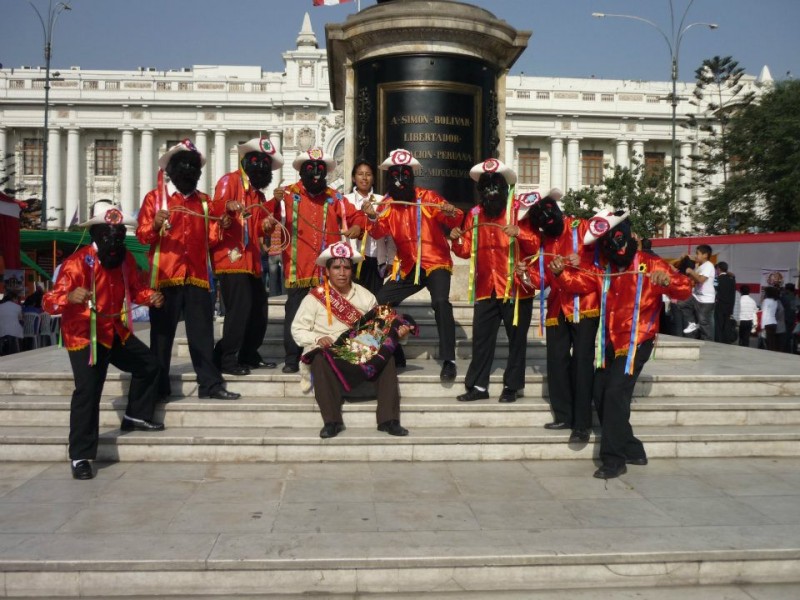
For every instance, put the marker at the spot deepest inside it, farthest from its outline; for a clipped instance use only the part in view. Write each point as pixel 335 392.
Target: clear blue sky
pixel 566 41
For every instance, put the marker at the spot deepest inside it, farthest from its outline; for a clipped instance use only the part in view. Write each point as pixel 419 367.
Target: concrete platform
pixel 162 529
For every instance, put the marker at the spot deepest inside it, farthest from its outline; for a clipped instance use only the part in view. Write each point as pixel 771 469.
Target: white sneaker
pixel 691 328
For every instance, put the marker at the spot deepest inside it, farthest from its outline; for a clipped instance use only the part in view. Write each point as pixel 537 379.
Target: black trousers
pixel 328 392
pixel 613 391
pixel 570 370
pixel 294 296
pixel 438 284
pixel 486 319
pixel 245 320
pixel 745 327
pixel 370 276
pixel 84 414
pixel 195 305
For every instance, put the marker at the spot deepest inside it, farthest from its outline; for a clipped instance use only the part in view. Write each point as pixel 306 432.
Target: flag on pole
pixel 329 2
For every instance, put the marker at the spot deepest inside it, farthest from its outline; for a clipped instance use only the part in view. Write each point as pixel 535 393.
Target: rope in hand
pixel 534 257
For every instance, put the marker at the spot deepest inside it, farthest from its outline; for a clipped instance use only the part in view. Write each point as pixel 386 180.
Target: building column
pixel 3 152
pixel 557 163
pixel 72 211
pixel 277 176
pixel 55 200
pixel 146 182
pixel 622 158
pixel 508 154
pixel 638 150
pixel 573 164
pixel 201 143
pixel 220 154
pixel 126 194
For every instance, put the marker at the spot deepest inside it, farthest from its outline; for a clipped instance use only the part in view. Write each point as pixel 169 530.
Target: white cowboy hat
pixel 315 153
pixel 185 145
pixel 339 250
pixel 262 145
pixel 602 222
pixel 492 165
pixel 107 213
pixel 398 158
pixel 525 202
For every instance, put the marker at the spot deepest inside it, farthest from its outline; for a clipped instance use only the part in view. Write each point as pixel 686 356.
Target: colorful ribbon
pixel 576 302
pixel 473 256
pixel 542 311
pixel 600 351
pixel 419 241
pixel 629 363
pixel 162 193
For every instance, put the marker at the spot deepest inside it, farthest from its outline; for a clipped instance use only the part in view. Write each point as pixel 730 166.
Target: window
pixel 32 150
pixel 543 95
pixel 105 158
pixel 606 97
pixel 592 167
pixel 653 163
pixel 184 86
pixel 529 165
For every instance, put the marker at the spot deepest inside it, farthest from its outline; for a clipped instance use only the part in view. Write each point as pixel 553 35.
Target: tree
pixel 644 192
pixel 719 95
pixel 764 144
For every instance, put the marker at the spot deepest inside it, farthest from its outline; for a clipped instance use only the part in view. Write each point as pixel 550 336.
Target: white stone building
pixel 107 128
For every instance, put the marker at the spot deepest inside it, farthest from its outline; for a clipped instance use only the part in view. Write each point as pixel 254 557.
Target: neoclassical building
pixel 107 128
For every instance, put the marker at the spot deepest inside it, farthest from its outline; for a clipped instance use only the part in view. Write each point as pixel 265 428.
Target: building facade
pixel 107 128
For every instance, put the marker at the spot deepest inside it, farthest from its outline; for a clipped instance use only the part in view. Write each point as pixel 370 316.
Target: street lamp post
pixel 673 41
pixel 47 29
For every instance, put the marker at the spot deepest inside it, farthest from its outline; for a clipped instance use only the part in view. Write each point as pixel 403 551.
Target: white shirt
pixel 769 310
pixel 705 292
pixel 383 249
pixel 747 309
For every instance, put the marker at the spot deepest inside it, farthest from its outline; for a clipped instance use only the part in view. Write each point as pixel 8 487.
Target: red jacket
pixel 400 222
pixel 232 240
pixel 491 268
pixel 570 241
pixel 307 237
pixel 184 247
pixel 109 286
pixel 621 297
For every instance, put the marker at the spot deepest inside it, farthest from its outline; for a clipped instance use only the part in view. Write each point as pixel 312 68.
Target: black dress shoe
pixel 290 369
pixel 238 370
pixel 579 436
pixel 448 371
pixel 331 430
pixel 473 394
pixel 557 425
pixel 393 427
pixel 221 394
pixel 82 470
pixel 261 364
pixel 508 395
pixel 639 462
pixel 131 424
pixel 610 471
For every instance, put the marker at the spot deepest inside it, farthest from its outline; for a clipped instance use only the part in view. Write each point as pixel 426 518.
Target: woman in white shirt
pixel 771 318
pixel 11 332
pixel 745 313
pixel 378 254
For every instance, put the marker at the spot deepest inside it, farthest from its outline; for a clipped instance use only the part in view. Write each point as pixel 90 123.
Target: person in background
pixel 746 315
pixel 790 305
pixel 378 254
pixel 11 318
pixel 772 319
pixel 723 306
pixel 33 303
pixel 699 312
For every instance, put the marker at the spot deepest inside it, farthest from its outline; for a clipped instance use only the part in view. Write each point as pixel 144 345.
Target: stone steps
pixel 302 444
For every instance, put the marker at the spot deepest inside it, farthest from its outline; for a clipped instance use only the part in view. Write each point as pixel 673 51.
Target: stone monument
pixel 427 76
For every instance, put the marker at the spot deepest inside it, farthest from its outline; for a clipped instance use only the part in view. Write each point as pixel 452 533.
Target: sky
pixel 566 42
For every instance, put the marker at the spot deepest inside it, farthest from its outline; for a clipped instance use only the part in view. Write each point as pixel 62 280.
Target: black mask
pixel 493 190
pixel 313 174
pixel 547 217
pixel 400 183
pixel 258 167
pixel 184 171
pixel 618 245
pixel 110 242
